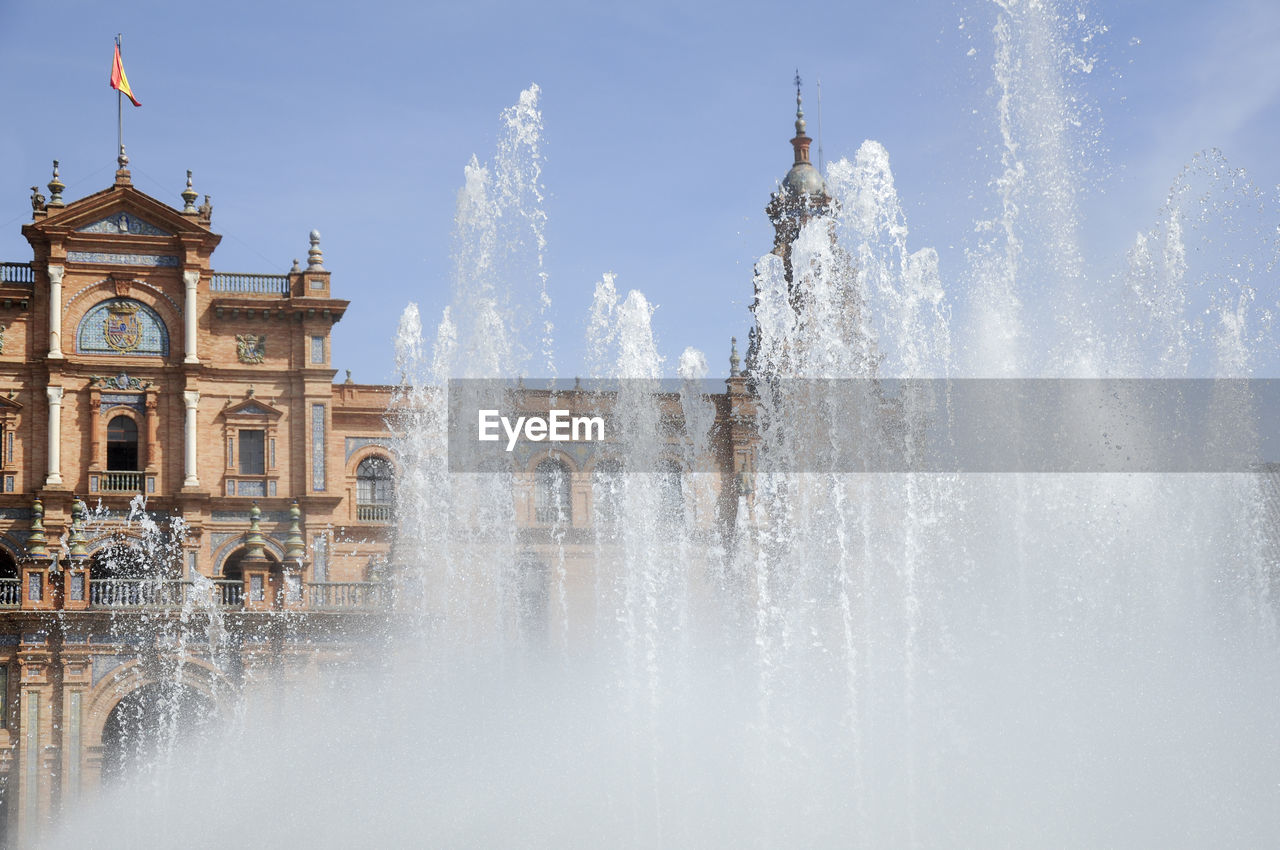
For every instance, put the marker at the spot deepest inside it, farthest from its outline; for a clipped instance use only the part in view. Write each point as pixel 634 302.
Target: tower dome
pixel 803 178
pixel 801 196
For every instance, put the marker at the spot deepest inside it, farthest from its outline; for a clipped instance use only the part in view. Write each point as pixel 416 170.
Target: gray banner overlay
pixel 891 425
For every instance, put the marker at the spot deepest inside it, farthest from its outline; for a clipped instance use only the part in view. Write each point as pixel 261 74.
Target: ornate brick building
pixel 176 458
pixel 130 367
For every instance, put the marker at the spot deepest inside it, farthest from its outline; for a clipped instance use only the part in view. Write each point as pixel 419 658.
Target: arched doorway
pixel 149 723
pixel 10 581
pixel 122 444
pixel 258 590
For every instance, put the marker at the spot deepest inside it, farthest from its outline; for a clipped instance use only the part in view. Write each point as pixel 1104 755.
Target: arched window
pixel 375 489
pixel 552 494
pixel 122 444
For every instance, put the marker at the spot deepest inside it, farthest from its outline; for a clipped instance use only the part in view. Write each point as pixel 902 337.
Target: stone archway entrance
pixel 148 723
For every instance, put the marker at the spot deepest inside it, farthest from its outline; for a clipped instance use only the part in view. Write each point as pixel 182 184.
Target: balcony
pixel 137 593
pixel 373 512
pixel 148 593
pixel 10 592
pixel 17 273
pixel 120 482
pixel 345 595
pixel 251 284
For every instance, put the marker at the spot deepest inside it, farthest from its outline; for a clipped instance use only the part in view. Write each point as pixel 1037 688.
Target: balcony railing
pixel 121 482
pixel 373 512
pixel 10 592
pixel 257 284
pixel 345 595
pixel 552 515
pixel 19 273
pixel 137 592
pixel 226 593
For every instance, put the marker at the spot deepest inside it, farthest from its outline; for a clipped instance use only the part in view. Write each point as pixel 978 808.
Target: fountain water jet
pixel 882 659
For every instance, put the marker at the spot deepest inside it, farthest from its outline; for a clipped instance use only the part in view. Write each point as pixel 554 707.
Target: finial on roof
pixel 734 361
pixel 348 380
pixel 55 188
pixel 123 161
pixel 315 257
pixel 799 107
pixel 189 196
pixel 296 268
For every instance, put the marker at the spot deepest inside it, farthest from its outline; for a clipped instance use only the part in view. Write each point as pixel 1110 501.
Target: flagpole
pixel 119 111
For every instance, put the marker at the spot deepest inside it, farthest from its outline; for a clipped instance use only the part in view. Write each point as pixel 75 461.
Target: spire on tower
pixel 800 125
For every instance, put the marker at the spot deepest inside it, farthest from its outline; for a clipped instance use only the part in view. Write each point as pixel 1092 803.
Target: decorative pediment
pixel 88 226
pixel 9 405
pixel 123 222
pixel 252 408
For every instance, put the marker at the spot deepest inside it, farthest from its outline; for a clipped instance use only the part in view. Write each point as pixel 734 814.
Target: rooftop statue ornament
pixel 189 197
pixel 315 257
pixel 55 188
pixel 205 211
pixel 37 200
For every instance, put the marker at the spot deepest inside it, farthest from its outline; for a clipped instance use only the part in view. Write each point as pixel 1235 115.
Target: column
pixel 55 436
pixel 192 400
pixel 190 278
pixel 150 403
pixel 55 312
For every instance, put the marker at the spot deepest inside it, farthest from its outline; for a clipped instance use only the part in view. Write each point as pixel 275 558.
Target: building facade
pixel 172 441
pixel 176 456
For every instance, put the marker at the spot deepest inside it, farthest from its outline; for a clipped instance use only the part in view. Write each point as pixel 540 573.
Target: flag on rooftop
pixel 119 81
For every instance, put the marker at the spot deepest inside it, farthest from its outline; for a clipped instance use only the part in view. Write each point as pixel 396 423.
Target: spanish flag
pixel 119 81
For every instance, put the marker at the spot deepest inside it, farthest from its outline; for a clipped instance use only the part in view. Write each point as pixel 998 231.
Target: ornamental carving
pixel 124 223
pixel 118 382
pixel 251 348
pixel 120 328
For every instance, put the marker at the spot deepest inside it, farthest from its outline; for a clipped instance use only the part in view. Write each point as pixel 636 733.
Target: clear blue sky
pixel 666 129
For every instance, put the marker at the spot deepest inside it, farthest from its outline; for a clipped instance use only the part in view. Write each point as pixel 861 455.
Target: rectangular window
pixel 317 349
pixel 317 447
pixel 8 446
pixel 8 483
pixel 320 552
pixel 231 452
pixel 273 452
pixel 252 458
